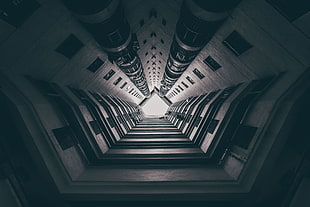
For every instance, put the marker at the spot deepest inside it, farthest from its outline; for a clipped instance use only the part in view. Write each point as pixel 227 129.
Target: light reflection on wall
pixel 155 106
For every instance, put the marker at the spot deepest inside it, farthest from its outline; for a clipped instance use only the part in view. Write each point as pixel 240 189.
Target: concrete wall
pixel 30 50
pixel 278 45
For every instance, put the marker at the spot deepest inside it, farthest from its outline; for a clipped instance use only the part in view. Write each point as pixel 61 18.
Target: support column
pixel 198 22
pixel 106 21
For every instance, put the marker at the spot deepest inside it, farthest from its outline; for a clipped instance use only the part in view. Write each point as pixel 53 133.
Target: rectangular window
pixel 291 9
pixel 94 124
pixel 198 73
pixel 184 84
pixel 131 90
pixel 211 63
pixel 197 121
pixel 16 12
pixel 117 81
pixel 70 46
pixel 212 126
pixel 109 74
pixel 123 85
pixel 180 88
pixel 95 65
pixel 236 43
pixel 244 135
pixel 64 137
pixel 111 122
pixel 190 80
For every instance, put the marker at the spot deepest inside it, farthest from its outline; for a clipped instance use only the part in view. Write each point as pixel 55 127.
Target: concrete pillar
pixel 198 22
pixel 106 21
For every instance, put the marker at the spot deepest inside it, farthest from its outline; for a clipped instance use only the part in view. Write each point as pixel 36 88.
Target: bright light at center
pixel 155 106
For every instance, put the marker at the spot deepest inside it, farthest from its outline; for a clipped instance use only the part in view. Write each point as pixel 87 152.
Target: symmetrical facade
pixel 73 77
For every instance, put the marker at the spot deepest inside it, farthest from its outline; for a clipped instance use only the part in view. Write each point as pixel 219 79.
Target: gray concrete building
pixel 154 103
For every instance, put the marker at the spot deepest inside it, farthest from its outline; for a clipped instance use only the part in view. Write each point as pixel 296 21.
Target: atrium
pixel 154 103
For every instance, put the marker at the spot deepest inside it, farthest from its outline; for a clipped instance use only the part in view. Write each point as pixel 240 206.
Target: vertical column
pixel 105 20
pixel 198 21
